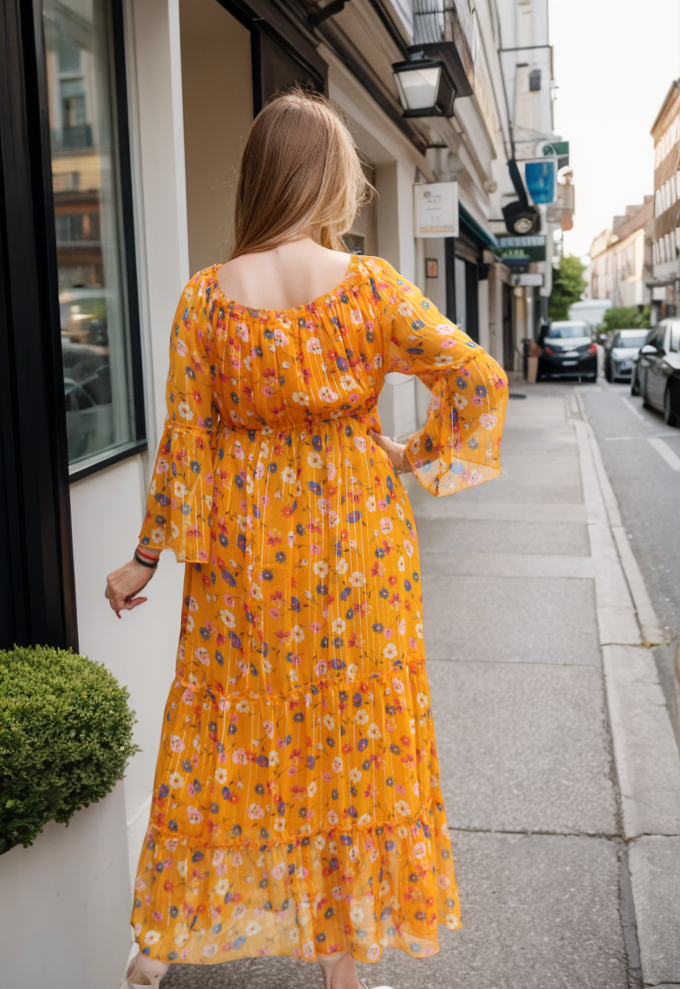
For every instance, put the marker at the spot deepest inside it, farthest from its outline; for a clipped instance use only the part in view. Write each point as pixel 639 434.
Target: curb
pixel 645 749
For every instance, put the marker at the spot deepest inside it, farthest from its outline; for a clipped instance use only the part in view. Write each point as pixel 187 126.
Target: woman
pixel 296 807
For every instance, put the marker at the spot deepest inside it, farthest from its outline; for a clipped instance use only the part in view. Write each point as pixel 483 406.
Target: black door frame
pixel 271 31
pixel 36 570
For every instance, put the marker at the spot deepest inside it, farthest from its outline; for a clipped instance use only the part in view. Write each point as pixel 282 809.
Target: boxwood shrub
pixel 65 738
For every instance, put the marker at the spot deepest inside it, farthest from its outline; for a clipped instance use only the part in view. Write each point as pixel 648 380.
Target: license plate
pixel 569 363
pixel 570 353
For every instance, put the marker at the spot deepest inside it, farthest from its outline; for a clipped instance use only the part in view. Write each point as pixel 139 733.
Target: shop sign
pixel 531 279
pixel 436 209
pixel 540 178
pixel 520 250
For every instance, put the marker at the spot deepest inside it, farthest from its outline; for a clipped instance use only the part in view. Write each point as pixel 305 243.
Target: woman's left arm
pixel 180 495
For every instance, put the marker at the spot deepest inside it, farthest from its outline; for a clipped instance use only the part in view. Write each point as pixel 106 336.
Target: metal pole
pixel 546 288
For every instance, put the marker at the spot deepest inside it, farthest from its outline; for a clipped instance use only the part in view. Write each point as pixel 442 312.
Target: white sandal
pixel 151 969
pixel 328 964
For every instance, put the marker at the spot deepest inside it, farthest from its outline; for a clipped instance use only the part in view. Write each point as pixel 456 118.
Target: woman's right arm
pixel 458 447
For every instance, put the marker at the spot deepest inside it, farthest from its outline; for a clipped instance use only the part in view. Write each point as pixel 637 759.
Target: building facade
pixel 526 62
pixel 621 258
pixel 121 127
pixel 665 280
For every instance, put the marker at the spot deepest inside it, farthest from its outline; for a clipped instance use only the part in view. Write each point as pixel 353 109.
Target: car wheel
pixel 671 401
pixel 634 386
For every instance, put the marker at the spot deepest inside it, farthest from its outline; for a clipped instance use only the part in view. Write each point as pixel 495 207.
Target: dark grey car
pixel 657 372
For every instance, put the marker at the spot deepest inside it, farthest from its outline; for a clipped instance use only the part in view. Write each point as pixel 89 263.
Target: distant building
pixel 621 258
pixel 665 280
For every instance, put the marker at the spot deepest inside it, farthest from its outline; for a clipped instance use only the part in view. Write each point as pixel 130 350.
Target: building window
pixel 103 418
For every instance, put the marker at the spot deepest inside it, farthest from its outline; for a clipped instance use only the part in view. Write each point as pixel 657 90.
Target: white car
pixel 621 353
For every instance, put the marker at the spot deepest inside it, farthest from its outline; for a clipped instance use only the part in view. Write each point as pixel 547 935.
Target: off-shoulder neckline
pixel 312 304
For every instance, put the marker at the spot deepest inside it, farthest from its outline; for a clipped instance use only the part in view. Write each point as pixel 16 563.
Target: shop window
pixel 103 418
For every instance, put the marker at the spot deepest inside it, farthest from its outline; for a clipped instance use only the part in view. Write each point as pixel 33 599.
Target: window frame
pixel 118 92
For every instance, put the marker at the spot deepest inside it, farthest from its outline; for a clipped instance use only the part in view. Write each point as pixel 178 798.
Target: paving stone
pixel 508 565
pixel 461 536
pixel 529 620
pixel 654 862
pixel 529 439
pixel 539 912
pixel 523 747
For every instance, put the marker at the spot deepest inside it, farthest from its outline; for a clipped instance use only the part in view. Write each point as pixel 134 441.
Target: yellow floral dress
pixel 296 806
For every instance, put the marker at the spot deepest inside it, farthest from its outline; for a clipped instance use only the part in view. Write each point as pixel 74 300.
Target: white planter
pixel 65 903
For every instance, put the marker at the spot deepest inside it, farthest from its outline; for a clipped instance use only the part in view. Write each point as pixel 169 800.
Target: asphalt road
pixel 642 458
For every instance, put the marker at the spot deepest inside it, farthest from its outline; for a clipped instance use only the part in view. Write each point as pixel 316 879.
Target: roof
pixel 675 88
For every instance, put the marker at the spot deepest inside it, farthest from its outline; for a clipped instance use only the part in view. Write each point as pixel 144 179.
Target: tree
pixel 568 286
pixel 625 318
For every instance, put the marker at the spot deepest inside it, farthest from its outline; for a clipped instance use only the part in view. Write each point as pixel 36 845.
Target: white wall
pixel 218 111
pixel 140 648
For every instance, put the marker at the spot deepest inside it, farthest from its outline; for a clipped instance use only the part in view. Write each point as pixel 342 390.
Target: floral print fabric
pixel 297 807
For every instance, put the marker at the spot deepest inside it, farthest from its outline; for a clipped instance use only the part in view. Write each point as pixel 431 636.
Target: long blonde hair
pixel 300 170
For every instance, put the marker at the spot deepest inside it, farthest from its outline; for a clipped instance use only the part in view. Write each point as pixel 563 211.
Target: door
pixel 645 363
pixel 508 332
pixel 656 378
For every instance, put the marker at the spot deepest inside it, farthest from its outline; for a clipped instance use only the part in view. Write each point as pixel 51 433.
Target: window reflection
pixel 89 251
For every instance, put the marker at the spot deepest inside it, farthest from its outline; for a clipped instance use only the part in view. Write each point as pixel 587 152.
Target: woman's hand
pixel 393 450
pixel 124 584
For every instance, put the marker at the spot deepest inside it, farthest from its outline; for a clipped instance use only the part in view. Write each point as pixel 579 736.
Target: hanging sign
pixel 521 250
pixel 435 207
pixel 540 178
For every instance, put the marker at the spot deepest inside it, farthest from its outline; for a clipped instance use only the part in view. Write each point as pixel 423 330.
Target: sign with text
pixel 521 250
pixel 529 280
pixel 435 206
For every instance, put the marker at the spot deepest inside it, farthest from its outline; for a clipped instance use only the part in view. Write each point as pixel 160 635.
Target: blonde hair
pixel 300 171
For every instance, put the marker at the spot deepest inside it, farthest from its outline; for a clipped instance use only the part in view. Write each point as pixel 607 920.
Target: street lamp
pixel 425 87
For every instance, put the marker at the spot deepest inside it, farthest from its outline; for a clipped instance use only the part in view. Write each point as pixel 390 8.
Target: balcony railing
pixel 433 21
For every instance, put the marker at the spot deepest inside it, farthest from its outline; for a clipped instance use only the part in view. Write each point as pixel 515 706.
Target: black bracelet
pixel 145 563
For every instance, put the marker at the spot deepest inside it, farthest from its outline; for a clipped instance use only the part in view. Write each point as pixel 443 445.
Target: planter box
pixel 65 902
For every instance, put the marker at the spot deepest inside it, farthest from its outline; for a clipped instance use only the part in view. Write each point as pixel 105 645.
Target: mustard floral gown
pixel 296 806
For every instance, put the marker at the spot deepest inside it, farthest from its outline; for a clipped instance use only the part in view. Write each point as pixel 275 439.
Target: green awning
pixel 473 229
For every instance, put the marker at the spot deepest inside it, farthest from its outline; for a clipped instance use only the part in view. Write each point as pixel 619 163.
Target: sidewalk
pixel 546 708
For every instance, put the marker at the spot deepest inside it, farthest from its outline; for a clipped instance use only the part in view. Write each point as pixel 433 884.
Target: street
pixel 561 777
pixel 642 457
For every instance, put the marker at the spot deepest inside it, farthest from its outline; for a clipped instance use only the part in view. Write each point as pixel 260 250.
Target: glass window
pixel 85 177
pixel 631 338
pixel 568 331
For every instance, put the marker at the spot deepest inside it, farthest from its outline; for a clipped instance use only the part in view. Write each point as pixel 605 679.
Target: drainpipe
pixel 546 288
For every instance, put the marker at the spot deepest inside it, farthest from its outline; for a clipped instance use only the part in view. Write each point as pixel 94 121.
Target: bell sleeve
pixel 458 447
pixel 180 495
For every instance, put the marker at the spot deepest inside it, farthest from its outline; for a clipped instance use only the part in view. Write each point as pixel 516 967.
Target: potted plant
pixel 65 738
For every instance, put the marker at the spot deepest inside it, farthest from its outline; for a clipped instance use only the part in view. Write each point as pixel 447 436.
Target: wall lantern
pixel 425 87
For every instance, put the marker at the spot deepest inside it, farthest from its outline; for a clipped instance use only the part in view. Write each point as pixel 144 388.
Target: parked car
pixel 569 351
pixel 657 372
pixel 620 353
